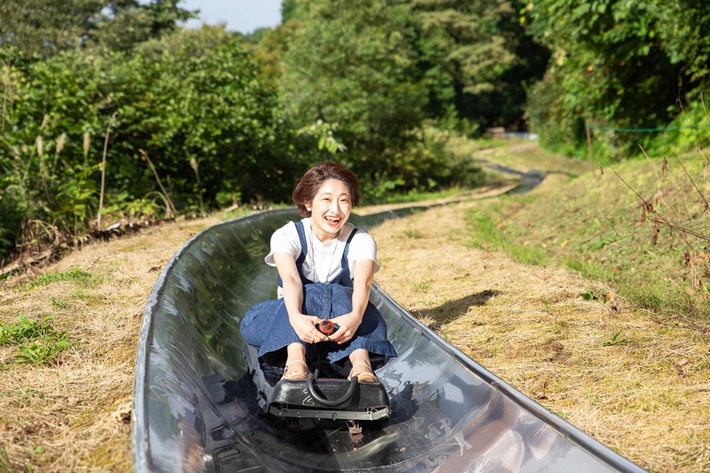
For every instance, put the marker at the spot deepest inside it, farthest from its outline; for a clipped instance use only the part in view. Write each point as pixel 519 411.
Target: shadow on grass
pixel 452 310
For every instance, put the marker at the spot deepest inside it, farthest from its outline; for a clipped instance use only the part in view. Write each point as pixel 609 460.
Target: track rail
pixel 195 407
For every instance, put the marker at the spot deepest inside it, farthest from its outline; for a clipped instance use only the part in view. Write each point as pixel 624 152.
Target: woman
pixel 326 267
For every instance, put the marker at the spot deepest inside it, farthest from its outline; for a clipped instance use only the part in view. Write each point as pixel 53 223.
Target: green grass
pixel 415 234
pixel 73 274
pixel 37 342
pixel 615 340
pixel 486 233
pixel 415 196
pixel 594 224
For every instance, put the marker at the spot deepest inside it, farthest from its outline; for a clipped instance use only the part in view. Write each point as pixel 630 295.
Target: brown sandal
pixel 295 375
pixel 365 376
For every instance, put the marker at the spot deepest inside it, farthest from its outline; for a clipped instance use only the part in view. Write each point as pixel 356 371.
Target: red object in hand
pixel 326 327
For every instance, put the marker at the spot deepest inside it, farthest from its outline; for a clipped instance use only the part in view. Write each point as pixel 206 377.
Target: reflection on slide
pixel 196 406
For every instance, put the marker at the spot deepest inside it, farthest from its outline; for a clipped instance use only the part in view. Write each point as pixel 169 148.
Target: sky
pixel 243 16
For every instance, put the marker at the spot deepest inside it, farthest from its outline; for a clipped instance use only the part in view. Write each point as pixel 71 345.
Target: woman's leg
pixel 296 367
pixel 360 359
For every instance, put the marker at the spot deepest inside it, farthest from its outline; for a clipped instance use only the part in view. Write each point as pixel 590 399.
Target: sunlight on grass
pixel 37 342
pixel 74 274
pixel 596 225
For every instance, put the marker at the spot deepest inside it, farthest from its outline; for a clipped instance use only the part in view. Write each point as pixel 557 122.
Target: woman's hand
pixel 347 326
pixel 305 328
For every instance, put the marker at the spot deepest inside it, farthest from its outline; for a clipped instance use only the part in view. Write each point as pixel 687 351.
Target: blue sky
pixel 240 15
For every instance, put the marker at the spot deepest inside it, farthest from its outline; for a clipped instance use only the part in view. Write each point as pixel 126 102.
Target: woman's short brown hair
pixel 307 187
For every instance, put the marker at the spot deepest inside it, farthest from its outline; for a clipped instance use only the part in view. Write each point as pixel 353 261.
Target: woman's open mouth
pixel 333 221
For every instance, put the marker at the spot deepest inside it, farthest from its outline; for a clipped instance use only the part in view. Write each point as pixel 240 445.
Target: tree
pixel 621 63
pixel 193 102
pixel 476 58
pixel 49 26
pixel 351 65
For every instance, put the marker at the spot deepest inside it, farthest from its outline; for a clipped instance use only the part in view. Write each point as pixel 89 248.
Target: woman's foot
pixel 363 372
pixel 296 371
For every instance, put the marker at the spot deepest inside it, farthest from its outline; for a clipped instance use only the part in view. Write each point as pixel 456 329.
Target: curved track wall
pixel 195 405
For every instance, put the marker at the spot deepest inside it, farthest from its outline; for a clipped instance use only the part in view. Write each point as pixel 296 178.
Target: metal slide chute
pixel 196 407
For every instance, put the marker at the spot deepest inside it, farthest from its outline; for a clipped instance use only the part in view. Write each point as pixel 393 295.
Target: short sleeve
pixel 362 247
pixel 284 240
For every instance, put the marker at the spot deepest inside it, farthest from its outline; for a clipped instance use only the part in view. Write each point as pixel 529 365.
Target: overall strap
pixel 344 277
pixel 302 257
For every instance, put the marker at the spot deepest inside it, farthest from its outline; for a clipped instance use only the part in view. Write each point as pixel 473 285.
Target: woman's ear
pixel 307 204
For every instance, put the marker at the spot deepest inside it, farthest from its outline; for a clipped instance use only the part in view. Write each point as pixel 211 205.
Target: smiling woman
pixel 321 257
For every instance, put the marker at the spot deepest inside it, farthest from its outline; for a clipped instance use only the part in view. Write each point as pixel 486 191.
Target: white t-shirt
pixel 322 262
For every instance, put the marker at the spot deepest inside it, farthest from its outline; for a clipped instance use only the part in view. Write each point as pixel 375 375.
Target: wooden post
pixel 589 144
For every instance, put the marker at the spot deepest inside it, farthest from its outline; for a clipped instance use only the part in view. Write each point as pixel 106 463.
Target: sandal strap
pixel 368 376
pixel 357 365
pixel 296 374
pixel 299 362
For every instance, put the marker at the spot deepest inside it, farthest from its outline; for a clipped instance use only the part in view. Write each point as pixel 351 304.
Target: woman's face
pixel 330 209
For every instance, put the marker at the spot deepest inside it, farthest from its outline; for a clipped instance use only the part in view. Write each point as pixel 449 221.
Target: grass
pixel 37 342
pixel 584 315
pixel 66 366
pixel 420 196
pixel 73 274
pixel 487 232
pixel 492 274
pixel 615 340
pixel 595 225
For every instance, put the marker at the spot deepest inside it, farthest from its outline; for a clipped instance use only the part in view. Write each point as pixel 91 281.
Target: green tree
pixel 477 59
pixel 49 26
pixel 193 102
pixel 206 99
pixel 351 65
pixel 620 63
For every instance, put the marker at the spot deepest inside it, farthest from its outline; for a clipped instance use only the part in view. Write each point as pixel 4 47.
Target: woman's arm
pixel 303 325
pixel 362 283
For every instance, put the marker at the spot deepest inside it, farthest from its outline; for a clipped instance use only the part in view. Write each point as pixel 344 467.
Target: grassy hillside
pixel 641 225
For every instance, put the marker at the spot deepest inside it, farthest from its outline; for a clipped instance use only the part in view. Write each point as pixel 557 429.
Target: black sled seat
pixel 321 398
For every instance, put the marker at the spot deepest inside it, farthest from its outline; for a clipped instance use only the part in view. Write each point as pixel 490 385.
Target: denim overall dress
pixel 266 325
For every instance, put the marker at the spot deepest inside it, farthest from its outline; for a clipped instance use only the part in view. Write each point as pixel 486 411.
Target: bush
pixel 192 103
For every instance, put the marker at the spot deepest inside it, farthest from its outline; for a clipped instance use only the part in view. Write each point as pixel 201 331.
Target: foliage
pixel 323 132
pixel 476 60
pixel 468 44
pixel 355 65
pixel 350 64
pixel 37 342
pixel 204 101
pixel 191 101
pixel 617 63
pixel 49 26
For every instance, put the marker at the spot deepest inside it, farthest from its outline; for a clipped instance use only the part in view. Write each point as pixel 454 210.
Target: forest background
pixel 110 110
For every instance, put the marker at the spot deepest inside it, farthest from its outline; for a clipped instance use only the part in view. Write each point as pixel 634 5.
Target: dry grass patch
pixel 637 385
pixel 73 414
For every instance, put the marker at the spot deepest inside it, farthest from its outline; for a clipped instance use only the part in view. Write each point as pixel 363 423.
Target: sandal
pixel 295 375
pixel 365 376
